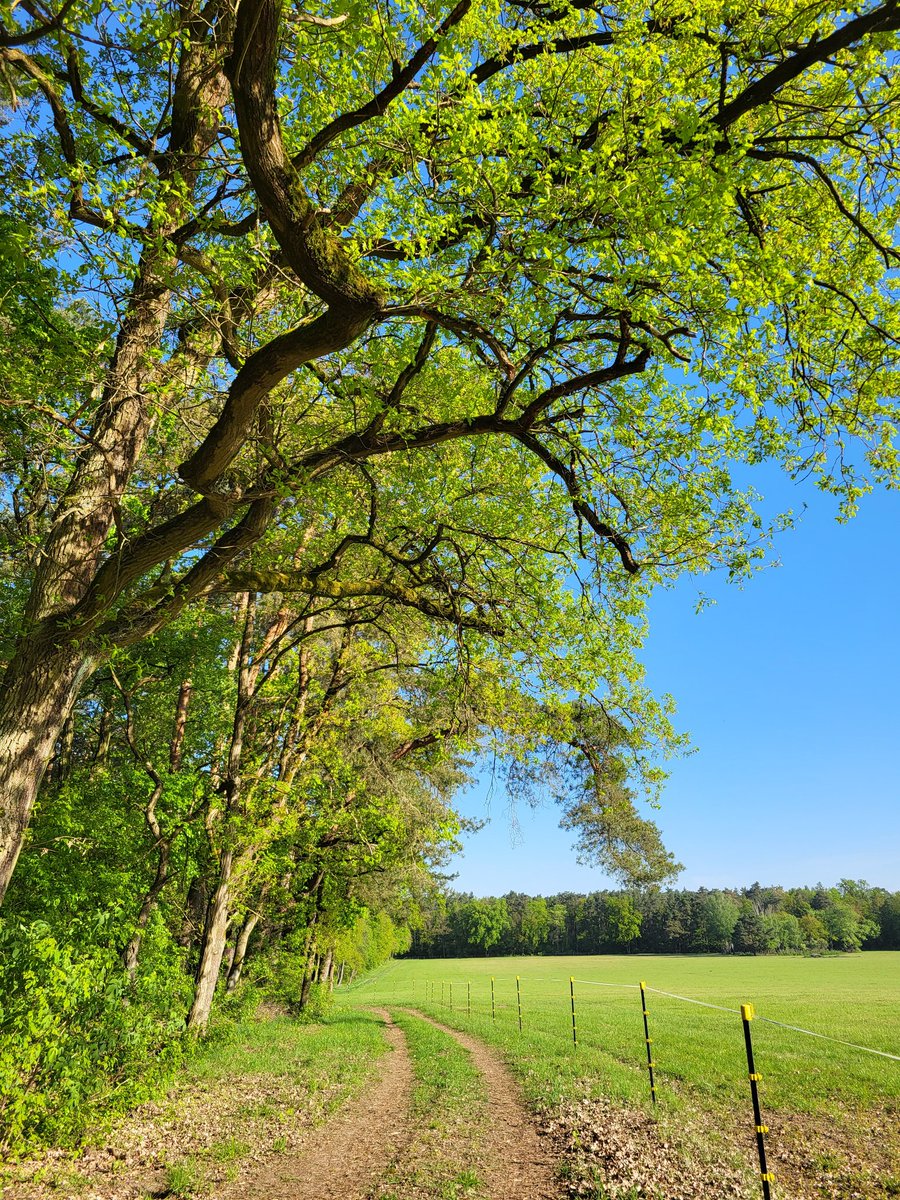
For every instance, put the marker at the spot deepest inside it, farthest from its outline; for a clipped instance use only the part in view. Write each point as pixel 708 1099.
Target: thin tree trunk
pixel 194 913
pixel 308 976
pixel 240 950
pixel 133 949
pixel 176 746
pixel 104 741
pixel 213 948
pixel 327 966
pixel 341 975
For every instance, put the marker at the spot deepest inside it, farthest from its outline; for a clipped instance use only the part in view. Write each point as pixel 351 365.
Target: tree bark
pixel 195 906
pixel 45 674
pixel 240 950
pixel 213 948
pixel 327 966
pixel 37 697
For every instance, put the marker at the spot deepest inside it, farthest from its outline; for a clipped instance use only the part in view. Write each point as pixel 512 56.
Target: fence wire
pixel 825 1037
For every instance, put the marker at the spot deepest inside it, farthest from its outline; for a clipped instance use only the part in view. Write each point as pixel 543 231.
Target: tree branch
pixel 403 77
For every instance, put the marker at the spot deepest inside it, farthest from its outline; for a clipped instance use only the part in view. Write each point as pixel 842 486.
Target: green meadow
pixel 698 1051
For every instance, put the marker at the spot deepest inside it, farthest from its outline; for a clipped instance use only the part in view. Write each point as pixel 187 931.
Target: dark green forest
pixel 751 920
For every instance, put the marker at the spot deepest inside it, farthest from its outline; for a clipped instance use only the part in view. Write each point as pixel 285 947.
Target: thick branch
pixel 884 18
pixel 288 583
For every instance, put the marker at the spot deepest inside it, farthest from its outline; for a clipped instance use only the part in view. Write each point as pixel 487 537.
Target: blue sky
pixel 790 690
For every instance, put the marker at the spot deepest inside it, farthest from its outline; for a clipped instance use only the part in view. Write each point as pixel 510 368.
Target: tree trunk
pixel 38 692
pixel 308 976
pixel 194 913
pixel 240 950
pixel 104 741
pixel 133 949
pixel 213 948
pixel 327 966
pixel 176 745
pixel 341 975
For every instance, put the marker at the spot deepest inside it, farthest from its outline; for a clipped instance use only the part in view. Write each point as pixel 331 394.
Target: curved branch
pixel 403 77
pixel 34 35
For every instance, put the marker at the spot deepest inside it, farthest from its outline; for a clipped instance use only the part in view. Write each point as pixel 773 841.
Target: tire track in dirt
pixel 518 1164
pixel 344 1158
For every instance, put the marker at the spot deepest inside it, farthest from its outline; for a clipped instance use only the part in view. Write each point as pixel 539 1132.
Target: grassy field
pixel 698 1051
pixel 833 1111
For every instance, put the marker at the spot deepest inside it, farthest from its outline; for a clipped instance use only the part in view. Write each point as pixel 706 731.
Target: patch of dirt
pixel 837 1156
pixel 518 1163
pixel 629 1156
pixel 341 1160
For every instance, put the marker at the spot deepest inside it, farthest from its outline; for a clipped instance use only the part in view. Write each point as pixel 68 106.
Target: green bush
pixel 78 1041
pixel 279 977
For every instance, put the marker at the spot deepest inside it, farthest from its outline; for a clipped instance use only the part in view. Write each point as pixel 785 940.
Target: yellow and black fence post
pixel 493 1008
pixel 747 1015
pixel 451 996
pixel 442 993
pixel 648 1041
pixel 519 1002
pixel 572 995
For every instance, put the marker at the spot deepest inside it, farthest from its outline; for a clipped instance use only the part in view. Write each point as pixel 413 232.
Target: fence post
pixel 572 994
pixel 648 1041
pixel 519 1002
pixel 493 1009
pixel 747 1015
pixel 442 993
pixel 451 995
pixel 469 999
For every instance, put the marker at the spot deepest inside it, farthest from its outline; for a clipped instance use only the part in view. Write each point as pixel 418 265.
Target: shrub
pixel 78 1041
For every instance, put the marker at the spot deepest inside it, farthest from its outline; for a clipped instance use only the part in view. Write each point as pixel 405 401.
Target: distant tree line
pixel 750 920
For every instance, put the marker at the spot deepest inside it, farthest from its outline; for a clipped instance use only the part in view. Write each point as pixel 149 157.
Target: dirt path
pixel 519 1164
pixel 343 1159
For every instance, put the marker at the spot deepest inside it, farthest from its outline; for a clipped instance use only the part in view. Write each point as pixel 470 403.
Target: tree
pixel 613 253
pixel 484 922
pixel 752 935
pixel 536 923
pixel 717 915
pixel 621 920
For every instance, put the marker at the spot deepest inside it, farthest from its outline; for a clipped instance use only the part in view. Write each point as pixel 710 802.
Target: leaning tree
pixel 624 247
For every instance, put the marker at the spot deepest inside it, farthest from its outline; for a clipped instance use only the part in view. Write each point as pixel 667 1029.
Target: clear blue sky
pixel 790 690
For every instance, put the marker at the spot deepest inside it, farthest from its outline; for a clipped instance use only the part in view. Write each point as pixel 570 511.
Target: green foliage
pixel 752 920
pixel 77 1041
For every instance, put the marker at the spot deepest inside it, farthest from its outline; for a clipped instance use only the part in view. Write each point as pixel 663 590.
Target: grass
pixel 699 1052
pixel 332 1058
pixel 448 1107
pixel 817 1095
